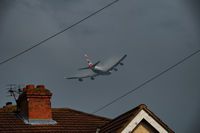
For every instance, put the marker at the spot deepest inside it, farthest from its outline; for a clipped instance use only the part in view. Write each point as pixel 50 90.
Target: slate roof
pixel 68 120
pixel 119 123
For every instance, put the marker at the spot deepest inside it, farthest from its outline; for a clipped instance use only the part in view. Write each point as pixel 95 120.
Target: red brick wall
pixel 39 108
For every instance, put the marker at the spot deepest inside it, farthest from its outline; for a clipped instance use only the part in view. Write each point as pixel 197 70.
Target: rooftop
pixel 119 123
pixel 33 113
pixel 67 120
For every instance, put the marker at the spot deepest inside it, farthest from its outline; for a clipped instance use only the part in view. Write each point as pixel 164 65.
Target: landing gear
pixel 80 79
pixel 121 64
pixel 92 78
pixel 115 69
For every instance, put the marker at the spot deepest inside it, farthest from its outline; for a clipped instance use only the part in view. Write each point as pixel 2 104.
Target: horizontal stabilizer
pixel 96 63
pixel 89 67
pixel 84 68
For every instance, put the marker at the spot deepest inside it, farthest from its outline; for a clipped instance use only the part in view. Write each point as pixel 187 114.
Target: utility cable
pixel 147 81
pixel 56 34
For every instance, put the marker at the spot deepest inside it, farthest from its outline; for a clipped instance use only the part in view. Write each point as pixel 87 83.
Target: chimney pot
pixel 30 87
pixel 40 86
pixel 24 89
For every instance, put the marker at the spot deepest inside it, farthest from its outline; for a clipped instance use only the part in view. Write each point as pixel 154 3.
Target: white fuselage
pixel 100 71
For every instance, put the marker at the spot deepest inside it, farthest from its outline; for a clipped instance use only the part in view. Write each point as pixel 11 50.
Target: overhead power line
pixel 60 32
pixel 147 81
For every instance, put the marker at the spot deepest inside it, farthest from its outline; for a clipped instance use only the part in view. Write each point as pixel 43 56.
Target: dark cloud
pixel 5 6
pixel 194 7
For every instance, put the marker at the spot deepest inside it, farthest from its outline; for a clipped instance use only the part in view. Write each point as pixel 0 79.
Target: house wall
pixel 144 127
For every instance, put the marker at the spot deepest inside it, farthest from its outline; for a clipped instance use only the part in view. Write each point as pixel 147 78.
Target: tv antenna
pixel 14 90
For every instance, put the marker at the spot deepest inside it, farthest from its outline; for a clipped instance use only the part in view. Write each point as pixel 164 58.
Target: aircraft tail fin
pixel 91 65
pixel 89 61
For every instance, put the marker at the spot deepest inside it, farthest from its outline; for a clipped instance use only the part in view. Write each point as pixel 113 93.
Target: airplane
pixel 97 70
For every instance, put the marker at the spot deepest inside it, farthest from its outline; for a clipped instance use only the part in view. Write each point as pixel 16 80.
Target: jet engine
pixel 80 79
pixel 121 64
pixel 115 69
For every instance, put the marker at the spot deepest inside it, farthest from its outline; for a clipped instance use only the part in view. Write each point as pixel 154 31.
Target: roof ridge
pixel 143 106
pixel 158 120
pixel 137 109
pixel 124 113
pixel 132 111
pixel 88 114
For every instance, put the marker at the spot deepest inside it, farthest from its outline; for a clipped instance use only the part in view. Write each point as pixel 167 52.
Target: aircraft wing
pixel 81 76
pixel 117 63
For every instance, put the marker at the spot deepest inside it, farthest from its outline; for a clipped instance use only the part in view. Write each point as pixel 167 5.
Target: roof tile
pixel 68 120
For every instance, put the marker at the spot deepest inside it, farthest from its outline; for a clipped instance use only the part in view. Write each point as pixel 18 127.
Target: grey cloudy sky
pixel 154 34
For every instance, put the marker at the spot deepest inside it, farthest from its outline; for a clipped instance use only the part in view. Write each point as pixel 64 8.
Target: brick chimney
pixel 34 105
